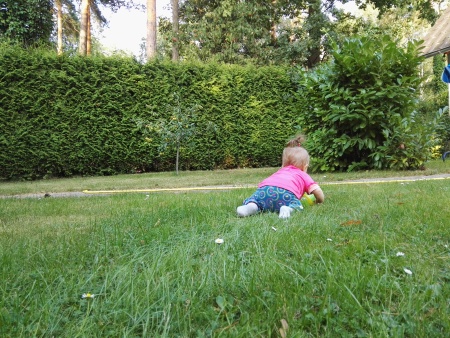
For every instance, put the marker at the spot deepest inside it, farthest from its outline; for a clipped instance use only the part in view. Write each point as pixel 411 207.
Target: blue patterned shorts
pixel 271 198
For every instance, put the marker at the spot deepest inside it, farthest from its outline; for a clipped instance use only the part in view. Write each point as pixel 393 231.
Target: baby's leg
pixel 247 210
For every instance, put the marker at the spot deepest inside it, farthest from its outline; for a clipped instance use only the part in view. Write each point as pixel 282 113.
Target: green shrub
pixel 443 132
pixel 433 106
pixel 359 109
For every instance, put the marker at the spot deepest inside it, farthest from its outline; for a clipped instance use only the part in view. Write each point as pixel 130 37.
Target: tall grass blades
pixel 372 261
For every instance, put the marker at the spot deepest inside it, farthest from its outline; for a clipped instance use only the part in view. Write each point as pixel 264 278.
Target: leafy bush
pixel 433 106
pixel 443 131
pixel 359 109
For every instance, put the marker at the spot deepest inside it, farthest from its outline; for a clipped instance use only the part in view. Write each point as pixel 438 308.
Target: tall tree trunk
pixel 85 9
pixel 88 34
pixel 314 34
pixel 151 29
pixel 175 29
pixel 273 25
pixel 59 26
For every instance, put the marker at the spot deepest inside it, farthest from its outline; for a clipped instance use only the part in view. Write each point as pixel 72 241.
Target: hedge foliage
pixel 66 115
pixel 62 116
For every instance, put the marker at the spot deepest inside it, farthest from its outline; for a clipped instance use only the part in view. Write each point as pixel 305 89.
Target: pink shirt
pixel 293 179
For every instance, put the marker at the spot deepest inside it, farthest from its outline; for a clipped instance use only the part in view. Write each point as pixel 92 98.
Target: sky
pixel 127 28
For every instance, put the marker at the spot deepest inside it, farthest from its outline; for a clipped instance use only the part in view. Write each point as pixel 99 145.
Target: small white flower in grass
pixel 87 296
pixel 219 241
pixel 400 254
pixel 409 272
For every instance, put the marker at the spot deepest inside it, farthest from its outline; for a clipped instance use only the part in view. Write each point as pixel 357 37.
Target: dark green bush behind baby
pixel 361 107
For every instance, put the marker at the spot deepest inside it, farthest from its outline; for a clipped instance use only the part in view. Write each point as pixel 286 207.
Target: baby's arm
pixel 318 194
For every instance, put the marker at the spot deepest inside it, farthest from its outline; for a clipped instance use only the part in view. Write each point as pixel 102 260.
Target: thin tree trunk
pixel 82 48
pixel 151 29
pixel 178 157
pixel 59 26
pixel 175 27
pixel 315 35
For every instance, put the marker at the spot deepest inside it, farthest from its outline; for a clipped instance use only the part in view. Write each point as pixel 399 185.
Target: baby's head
pixel 294 154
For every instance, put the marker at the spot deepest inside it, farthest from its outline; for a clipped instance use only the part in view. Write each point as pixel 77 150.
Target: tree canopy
pixel 296 32
pixel 26 21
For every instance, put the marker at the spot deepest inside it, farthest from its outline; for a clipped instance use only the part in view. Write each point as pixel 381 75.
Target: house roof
pixel 437 40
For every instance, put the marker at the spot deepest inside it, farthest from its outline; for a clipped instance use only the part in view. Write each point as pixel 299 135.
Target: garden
pixel 119 183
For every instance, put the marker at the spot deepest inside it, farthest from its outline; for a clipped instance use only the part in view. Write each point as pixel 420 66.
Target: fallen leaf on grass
pixel 351 222
pixel 344 242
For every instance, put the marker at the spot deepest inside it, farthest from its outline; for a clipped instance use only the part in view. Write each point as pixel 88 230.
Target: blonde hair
pixel 294 154
pixel 297 141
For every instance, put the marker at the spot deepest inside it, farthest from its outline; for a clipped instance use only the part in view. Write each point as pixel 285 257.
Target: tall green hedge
pixel 67 115
pixel 62 116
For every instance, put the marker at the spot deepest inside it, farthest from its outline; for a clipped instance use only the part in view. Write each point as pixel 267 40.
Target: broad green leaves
pixel 359 109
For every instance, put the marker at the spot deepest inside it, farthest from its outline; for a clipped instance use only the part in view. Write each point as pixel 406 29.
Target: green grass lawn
pixel 236 177
pixel 372 261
